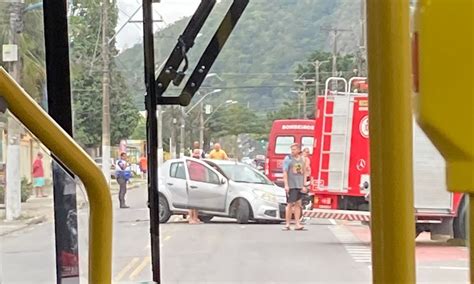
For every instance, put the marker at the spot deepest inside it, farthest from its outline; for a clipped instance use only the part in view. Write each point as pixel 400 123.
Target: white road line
pixel 454 268
pixel 332 221
pixel 359 253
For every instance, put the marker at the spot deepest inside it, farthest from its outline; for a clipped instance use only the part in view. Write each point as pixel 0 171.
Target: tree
pixel 235 120
pixel 257 63
pixel 30 48
pixel 86 78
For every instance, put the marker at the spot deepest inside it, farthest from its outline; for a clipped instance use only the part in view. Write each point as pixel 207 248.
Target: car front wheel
pixel 164 210
pixel 243 212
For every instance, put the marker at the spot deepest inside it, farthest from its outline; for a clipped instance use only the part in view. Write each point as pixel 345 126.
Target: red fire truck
pixel 340 166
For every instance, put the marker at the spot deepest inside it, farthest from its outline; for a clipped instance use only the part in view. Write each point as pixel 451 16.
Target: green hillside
pixel 259 60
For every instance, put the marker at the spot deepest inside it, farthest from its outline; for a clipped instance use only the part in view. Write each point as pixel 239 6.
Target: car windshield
pixel 244 174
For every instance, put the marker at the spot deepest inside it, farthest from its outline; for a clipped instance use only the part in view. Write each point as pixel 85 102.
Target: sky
pixel 168 10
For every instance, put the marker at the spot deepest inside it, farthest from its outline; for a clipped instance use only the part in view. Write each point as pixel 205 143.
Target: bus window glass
pixel 283 144
pixel 307 142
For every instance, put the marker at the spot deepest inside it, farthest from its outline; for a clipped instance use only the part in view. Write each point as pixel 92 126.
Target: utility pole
pixel 305 116
pixel 336 32
pixel 361 64
pixel 173 136
pixel 13 184
pixel 299 103
pixel 182 134
pixel 160 136
pixel 304 93
pixel 105 92
pixel 201 126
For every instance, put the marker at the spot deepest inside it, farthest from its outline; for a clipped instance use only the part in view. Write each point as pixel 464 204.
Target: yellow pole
pixel 67 150
pixel 392 212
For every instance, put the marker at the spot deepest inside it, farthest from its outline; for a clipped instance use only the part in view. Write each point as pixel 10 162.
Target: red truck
pixel 282 135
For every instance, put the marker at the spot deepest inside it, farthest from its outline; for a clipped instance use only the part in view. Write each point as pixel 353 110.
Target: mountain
pixel 259 60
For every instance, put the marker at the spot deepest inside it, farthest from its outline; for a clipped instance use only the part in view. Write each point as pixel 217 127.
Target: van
pixel 282 135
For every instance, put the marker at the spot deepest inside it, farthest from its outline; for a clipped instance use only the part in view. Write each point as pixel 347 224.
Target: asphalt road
pixel 226 252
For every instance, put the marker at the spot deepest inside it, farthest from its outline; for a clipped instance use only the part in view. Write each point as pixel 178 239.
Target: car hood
pixel 270 188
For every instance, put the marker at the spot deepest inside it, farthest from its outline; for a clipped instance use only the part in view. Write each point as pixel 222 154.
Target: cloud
pixel 168 10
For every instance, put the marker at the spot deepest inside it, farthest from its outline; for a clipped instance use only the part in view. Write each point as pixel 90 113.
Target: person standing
pixel 294 177
pixel 306 154
pixel 38 176
pixel 143 163
pixel 197 146
pixel 197 173
pixel 217 153
pixel 123 175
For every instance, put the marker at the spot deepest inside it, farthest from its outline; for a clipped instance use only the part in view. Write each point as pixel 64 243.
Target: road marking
pixel 126 269
pixel 454 268
pixel 140 267
pixel 360 253
pixel 332 221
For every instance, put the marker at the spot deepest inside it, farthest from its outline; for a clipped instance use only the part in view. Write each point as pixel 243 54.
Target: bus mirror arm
pixel 170 71
pixel 212 50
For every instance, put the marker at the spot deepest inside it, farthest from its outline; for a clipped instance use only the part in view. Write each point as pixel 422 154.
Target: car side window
pixel 177 170
pixel 200 173
pixel 213 177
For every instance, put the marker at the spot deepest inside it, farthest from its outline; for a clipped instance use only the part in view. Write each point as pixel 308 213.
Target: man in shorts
pixel 294 177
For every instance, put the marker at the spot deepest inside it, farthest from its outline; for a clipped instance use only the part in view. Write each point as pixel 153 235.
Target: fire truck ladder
pixel 351 82
pixel 339 131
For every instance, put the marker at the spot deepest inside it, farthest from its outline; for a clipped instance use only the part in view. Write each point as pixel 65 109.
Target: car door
pixel 207 189
pixel 176 184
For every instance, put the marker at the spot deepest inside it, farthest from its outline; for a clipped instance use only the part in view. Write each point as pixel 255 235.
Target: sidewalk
pixel 39 210
pixel 33 211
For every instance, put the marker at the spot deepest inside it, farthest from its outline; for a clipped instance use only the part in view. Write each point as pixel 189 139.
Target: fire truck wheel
pixel 243 211
pixel 459 224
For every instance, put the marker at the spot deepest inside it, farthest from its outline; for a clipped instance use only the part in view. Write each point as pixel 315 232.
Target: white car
pixel 218 188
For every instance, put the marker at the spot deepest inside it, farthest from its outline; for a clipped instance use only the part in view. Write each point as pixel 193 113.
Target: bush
pixel 26 189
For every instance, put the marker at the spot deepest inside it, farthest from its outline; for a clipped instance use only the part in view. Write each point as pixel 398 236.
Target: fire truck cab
pixel 340 166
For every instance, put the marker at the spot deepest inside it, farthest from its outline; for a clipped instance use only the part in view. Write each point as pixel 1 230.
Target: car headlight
pixel 266 196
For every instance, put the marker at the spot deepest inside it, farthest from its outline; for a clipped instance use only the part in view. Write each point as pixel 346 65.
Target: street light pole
pixel 317 65
pixel 202 99
pixel 304 100
pixel 228 102
pixel 185 113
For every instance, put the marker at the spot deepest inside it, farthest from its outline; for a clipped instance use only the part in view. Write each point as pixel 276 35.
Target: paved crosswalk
pixel 360 252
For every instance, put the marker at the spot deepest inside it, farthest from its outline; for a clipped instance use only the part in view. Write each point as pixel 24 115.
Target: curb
pixel 28 223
